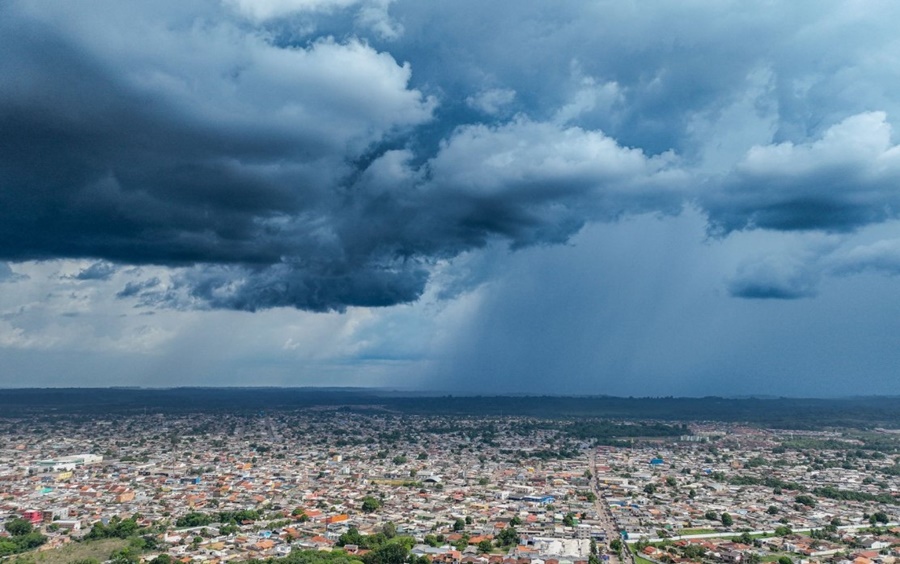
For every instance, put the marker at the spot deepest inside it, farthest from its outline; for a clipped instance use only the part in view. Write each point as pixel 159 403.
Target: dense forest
pixel 788 413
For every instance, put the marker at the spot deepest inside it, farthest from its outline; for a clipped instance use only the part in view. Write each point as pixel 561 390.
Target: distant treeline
pixel 787 413
pixel 767 481
pixel 603 430
pixel 847 495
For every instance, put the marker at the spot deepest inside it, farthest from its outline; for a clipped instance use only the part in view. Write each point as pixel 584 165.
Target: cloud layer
pixel 331 153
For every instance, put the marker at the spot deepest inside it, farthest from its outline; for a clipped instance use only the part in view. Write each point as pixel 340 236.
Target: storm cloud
pixel 328 154
pixel 495 196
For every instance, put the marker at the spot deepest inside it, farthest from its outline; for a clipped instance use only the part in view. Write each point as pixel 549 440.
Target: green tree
pixel 772 510
pixel 484 546
pixel 18 527
pixel 727 520
pixel 459 525
pixel 391 553
pixel 508 537
pixel 127 555
pixel 785 560
pixel 370 504
pixel 31 540
pixel 462 543
pixel 694 552
pixel 569 519
pixel 352 536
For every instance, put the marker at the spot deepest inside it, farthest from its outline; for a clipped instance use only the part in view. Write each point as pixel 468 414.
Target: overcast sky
pixel 629 198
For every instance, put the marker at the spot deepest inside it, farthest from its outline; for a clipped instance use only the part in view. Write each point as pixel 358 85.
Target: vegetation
pixel 371 504
pixel 508 537
pixel 22 537
pixel 834 493
pixel 93 552
pixel 370 542
pixel 788 413
pixel 116 529
pixel 196 519
pixel 727 520
pixel 611 433
pixel 316 557
pixel 769 482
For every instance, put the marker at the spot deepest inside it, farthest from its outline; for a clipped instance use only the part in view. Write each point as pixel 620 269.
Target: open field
pixel 699 531
pixel 73 552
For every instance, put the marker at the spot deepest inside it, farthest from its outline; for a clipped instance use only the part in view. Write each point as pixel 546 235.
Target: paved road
pixel 760 532
pixel 607 521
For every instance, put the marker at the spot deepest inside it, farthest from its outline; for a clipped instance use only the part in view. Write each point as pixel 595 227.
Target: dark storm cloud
pixel 769 285
pixel 243 173
pixel 236 165
pixel 98 271
pixel 277 159
pixel 137 288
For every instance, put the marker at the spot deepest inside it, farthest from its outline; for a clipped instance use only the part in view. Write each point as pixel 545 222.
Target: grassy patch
pixel 73 552
pixel 386 482
pixel 683 532
pixel 641 560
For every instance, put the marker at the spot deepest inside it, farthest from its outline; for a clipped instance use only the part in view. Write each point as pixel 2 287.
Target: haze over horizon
pixel 509 197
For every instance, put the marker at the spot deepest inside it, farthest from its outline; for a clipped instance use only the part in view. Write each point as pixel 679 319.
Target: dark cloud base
pixel 321 171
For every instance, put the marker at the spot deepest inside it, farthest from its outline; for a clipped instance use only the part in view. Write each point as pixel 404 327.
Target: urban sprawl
pixel 343 485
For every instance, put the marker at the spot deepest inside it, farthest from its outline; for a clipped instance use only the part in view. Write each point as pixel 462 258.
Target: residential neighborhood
pixel 492 490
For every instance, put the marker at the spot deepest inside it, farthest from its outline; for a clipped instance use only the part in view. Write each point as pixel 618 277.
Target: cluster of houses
pixel 307 477
pixel 450 484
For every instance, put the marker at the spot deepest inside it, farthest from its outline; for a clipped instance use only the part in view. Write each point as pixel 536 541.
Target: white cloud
pixel 493 101
pixel 370 14
pixel 840 182
pixel 543 160
pixel 220 76
pixel 881 256
pixel 590 96
pixel 268 9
